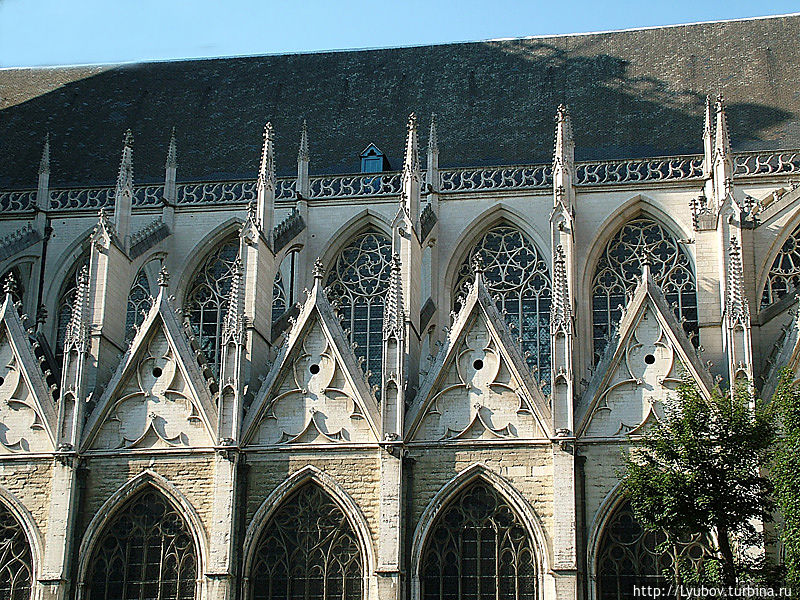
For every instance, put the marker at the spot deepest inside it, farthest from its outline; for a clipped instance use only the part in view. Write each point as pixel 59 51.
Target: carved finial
pixel 564 144
pixel 233 326
pixel 303 154
pixel 125 174
pixel 266 171
pixel 318 271
pixel 44 163
pixel 646 261
pixel 76 334
pixel 172 152
pixel 163 277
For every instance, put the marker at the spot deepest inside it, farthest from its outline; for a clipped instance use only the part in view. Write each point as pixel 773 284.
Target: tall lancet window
pixel 16 564
pixel 784 274
pixel 145 551
pixel 629 556
pixel 66 300
pixel 620 266
pixel 517 276
pixel 207 297
pixel 357 284
pixel 478 548
pixel 308 550
pixel 140 296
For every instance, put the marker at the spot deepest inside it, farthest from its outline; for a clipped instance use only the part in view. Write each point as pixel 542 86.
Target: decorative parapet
pixel 519 177
pixel 285 231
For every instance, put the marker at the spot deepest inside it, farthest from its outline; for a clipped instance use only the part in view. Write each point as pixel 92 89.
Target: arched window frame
pixel 346 297
pixel 141 294
pixel 535 343
pixel 17 517
pixel 688 309
pixel 783 274
pixel 207 318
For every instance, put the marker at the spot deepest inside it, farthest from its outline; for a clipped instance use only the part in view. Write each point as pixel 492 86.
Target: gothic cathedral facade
pixel 412 382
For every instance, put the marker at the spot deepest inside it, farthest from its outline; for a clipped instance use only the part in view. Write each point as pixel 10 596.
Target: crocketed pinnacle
pixel 738 308
pixel 10 284
pixel 172 152
pixel 125 175
pixel 44 163
pixel 232 325
pixel 561 302
pixel 303 154
pixel 266 171
pixel 433 138
pixel 163 277
pixel 722 141
pixel 564 151
pixel 411 157
pixel 393 315
pixel 318 270
pixel 76 328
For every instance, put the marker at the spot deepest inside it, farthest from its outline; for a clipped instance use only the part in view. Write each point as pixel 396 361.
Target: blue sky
pixel 48 32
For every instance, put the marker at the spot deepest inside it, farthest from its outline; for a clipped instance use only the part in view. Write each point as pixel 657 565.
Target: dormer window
pixel 373 160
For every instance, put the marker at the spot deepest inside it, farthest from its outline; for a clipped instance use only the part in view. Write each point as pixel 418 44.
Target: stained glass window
pixel 357 284
pixel 478 549
pixel 629 555
pixel 207 297
pixel 620 266
pixel 65 302
pixel 146 551
pixel 518 276
pixel 308 551
pixel 16 565
pixel 784 274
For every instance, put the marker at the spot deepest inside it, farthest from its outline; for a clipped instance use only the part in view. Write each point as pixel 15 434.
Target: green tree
pixel 698 471
pixel 785 471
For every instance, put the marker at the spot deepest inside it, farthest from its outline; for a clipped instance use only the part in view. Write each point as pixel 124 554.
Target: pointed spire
pixel 267 182
pixel 563 160
pixel 738 308
pixel 393 318
pixel 44 163
pixel 172 152
pixel 303 153
pixel 561 312
pixel 77 330
pixel 123 200
pixel 303 159
pixel 722 142
pixel 708 138
pixel 411 156
pixel 564 145
pixel 433 157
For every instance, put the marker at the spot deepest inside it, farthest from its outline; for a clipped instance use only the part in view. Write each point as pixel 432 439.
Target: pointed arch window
pixel 784 274
pixel 629 556
pixel 140 297
pixel 620 267
pixel 16 563
pixel 207 297
pixel 517 275
pixel 145 551
pixel 357 284
pixel 66 300
pixel 308 550
pixel 478 548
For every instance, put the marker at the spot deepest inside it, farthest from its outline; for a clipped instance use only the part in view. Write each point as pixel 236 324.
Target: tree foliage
pixel 698 472
pixel 785 471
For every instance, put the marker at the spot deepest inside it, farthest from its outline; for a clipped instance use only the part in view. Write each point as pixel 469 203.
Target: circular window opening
pixel 157 371
pixel 649 359
pixel 314 369
pixel 478 364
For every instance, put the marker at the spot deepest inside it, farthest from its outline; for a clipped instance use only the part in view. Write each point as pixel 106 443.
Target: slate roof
pixel 631 94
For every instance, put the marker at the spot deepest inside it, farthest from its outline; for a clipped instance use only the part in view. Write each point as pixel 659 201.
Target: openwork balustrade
pixel 520 177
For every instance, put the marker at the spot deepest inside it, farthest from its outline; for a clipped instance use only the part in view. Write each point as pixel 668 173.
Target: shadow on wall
pixel 630 94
